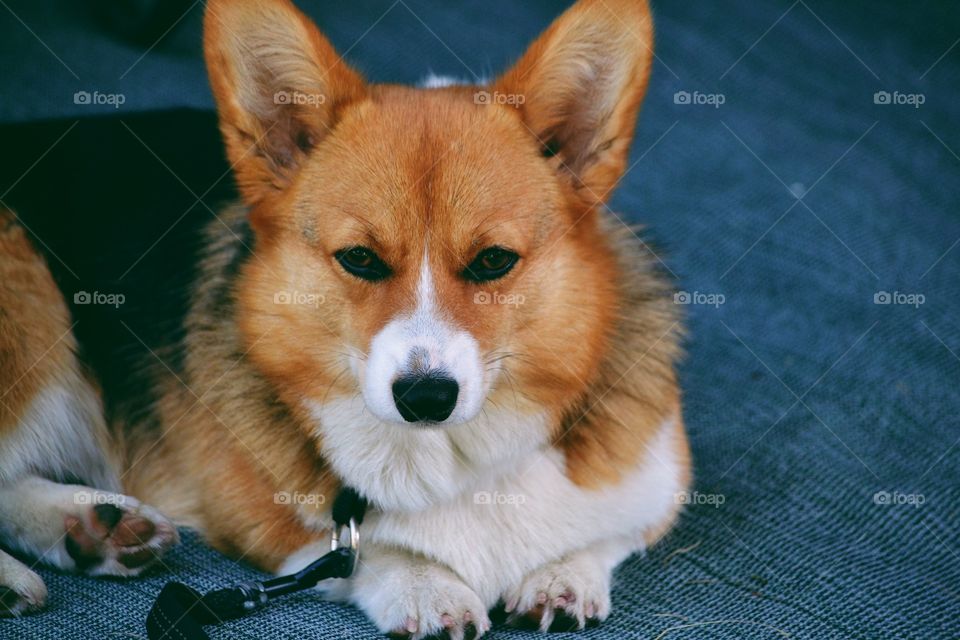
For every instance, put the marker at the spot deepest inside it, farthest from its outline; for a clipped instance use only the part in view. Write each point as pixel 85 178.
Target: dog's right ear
pixel 582 82
pixel 279 86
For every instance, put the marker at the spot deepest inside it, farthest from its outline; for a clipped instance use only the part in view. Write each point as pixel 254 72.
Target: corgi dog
pixel 420 295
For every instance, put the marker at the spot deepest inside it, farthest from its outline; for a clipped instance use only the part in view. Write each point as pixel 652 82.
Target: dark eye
pixel 491 264
pixel 363 263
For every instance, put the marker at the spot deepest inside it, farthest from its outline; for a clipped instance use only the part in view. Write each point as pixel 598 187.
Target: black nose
pixel 429 398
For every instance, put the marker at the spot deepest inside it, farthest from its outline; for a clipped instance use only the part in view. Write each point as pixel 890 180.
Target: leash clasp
pixel 350 541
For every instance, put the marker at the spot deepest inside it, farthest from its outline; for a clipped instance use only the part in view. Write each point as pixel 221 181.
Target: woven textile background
pixel 812 224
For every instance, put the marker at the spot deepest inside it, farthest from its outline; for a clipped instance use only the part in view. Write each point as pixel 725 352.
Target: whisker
pixel 334 382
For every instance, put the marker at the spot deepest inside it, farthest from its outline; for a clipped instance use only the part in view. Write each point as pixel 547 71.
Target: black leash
pixel 180 612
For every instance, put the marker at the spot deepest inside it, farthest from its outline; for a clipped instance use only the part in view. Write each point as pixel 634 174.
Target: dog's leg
pixel 81 529
pixel 21 590
pixel 410 596
pixel 570 592
pixel 406 595
pixel 52 426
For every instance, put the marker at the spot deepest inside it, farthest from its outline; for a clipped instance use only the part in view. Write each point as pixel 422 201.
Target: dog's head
pixel 431 250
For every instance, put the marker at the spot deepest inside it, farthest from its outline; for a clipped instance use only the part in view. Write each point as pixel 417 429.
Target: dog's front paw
pixel 562 595
pixel 412 598
pixel 435 606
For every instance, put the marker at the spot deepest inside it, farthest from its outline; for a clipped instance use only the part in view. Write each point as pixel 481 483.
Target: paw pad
pixel 117 540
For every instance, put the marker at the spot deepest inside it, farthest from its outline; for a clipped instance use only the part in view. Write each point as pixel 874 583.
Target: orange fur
pixel 36 345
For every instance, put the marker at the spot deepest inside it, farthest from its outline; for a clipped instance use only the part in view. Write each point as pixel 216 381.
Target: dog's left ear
pixel 279 87
pixel 581 84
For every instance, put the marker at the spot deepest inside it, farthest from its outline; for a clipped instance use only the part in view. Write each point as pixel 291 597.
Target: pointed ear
pixel 582 82
pixel 279 86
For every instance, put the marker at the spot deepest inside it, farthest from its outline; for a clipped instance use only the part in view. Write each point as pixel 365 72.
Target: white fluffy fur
pixel 408 467
pixel 491 503
pixel 494 546
pixel 61 433
pixel 32 512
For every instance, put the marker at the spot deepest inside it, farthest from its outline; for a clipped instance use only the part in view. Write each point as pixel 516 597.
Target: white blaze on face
pixel 418 343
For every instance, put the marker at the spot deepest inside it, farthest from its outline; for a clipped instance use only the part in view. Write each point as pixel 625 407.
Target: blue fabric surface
pixel 824 425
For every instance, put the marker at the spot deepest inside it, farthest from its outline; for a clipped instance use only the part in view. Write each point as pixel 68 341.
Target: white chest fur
pixel 492 504
pixel 409 468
